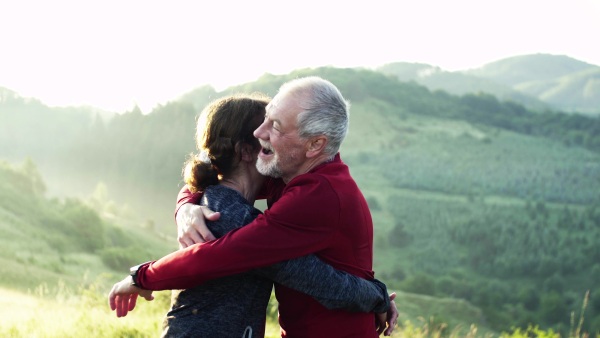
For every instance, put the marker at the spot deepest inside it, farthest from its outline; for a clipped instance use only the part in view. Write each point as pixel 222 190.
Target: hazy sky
pixel 114 54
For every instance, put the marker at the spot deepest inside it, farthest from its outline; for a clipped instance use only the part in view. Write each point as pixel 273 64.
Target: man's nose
pixel 259 131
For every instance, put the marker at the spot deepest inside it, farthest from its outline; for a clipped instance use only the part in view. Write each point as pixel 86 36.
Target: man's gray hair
pixel 324 110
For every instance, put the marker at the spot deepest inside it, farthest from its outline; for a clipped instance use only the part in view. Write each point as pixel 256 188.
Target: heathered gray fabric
pixel 235 306
pixel 333 288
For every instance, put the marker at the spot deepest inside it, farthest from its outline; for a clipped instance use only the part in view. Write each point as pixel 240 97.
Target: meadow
pixel 63 311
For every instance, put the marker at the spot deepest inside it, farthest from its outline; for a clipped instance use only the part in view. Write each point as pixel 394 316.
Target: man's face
pixel 283 151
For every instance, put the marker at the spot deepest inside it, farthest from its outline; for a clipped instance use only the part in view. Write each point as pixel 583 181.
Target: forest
pixel 472 198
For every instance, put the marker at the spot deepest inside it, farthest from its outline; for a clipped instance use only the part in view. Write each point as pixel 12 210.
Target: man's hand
pixel 388 318
pixel 191 224
pixel 123 296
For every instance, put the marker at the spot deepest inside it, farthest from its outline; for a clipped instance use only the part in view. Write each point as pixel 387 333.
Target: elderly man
pixel 314 207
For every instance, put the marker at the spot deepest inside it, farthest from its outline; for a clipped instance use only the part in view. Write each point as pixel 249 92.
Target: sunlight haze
pixel 116 54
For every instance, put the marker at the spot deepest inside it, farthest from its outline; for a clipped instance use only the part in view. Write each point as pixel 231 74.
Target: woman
pixel 225 171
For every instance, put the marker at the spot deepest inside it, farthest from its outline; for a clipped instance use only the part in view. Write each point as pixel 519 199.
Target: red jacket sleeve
pixel 303 221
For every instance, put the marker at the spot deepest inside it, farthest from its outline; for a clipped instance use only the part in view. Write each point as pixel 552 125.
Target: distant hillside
pixel 573 92
pixel 457 83
pixel 48 240
pixel 76 149
pixel 535 67
pixel 565 83
pixel 538 81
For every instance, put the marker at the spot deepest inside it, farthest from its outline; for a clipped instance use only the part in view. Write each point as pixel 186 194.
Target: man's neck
pixel 309 165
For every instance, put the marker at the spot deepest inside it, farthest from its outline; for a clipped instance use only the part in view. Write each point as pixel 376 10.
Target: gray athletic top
pixel 235 306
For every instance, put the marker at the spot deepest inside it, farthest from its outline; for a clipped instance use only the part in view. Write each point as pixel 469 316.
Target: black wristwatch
pixel 133 272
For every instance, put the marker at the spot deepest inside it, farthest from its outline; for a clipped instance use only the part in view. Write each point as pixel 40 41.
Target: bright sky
pixel 115 54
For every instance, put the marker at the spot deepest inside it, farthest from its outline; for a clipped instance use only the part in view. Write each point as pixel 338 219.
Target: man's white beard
pixel 270 169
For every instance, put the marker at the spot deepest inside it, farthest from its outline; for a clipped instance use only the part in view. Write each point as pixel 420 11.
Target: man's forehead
pixel 276 102
pixel 282 103
pixel 271 105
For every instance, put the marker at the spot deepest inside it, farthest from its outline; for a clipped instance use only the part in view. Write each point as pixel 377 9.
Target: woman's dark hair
pixel 224 126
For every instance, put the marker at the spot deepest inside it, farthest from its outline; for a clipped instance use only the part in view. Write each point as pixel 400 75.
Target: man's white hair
pixel 324 110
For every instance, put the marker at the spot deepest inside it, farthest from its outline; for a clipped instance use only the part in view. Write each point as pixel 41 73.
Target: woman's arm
pixel 334 289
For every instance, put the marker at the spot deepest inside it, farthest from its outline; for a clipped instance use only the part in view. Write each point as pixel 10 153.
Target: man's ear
pixel 316 146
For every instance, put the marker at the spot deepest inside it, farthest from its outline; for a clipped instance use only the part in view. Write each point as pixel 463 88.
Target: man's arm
pixel 333 288
pixel 191 218
pixel 295 226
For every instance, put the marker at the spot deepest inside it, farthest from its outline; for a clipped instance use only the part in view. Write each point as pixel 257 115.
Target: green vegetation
pixel 47 240
pixel 521 264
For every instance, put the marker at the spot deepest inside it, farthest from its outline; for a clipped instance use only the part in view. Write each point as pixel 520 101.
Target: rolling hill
pixel 46 240
pixel 458 83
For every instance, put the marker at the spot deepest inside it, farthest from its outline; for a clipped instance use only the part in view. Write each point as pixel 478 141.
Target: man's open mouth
pixel 266 151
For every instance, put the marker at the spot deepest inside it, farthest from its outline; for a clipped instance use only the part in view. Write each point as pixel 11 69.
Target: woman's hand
pixel 389 318
pixel 123 296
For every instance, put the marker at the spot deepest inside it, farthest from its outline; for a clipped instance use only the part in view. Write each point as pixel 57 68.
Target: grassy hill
pixel 49 240
pixel 59 257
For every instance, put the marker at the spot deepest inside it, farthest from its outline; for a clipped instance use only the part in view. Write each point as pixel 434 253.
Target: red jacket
pixel 321 212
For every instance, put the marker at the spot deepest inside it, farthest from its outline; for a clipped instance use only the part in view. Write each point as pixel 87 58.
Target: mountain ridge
pixel 539 81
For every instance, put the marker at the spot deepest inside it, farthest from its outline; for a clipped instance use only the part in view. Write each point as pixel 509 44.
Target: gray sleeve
pixel 332 288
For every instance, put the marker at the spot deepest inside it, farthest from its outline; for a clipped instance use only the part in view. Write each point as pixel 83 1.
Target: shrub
pixel 121 259
pixel 419 283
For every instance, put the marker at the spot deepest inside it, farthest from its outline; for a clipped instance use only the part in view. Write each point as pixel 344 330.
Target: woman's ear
pixel 247 152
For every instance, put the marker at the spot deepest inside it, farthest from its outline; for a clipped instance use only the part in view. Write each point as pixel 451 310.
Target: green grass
pixel 455 315
pixel 52 311
pixel 60 311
